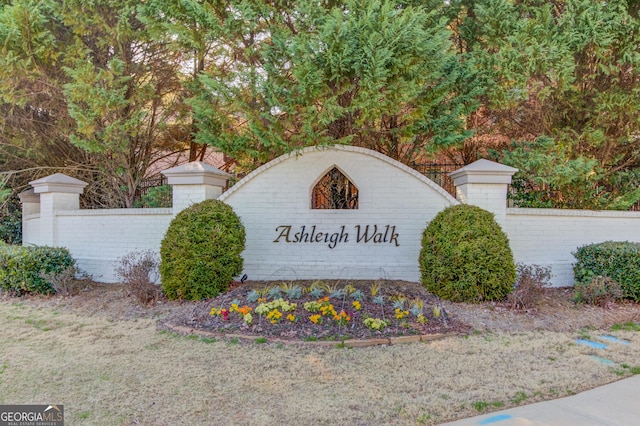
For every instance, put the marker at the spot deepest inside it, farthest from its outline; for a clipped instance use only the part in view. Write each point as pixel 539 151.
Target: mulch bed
pixel 302 329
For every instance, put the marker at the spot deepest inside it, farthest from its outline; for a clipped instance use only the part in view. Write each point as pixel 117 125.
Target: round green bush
pixel 466 257
pixel 200 253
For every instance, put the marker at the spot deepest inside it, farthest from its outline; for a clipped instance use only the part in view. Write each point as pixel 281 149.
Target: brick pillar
pixel 57 192
pixel 484 184
pixel 195 182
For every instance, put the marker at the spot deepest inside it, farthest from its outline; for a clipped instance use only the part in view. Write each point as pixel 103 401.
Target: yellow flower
pixel 291 317
pixel 315 319
pixel 248 318
pixel 357 305
pixel 214 311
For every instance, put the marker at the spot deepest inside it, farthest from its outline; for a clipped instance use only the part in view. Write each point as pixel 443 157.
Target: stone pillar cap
pixel 196 173
pixel 58 183
pixel 483 171
pixel 29 196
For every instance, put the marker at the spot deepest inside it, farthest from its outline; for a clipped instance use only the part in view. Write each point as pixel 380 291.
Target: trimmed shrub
pixel 466 257
pixel 22 268
pixel 619 261
pixel 200 253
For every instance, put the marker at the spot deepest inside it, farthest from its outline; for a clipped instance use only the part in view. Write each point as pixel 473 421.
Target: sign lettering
pixel 364 234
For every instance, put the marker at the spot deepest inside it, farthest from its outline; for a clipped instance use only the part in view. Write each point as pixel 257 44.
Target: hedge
pixel 619 261
pixel 21 267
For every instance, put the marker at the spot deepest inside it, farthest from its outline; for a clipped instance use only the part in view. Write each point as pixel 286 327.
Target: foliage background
pixel 105 90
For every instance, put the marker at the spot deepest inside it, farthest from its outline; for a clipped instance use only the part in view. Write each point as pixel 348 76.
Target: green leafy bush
pixel 619 261
pixel 22 268
pixel 599 291
pixel 466 257
pixel 200 253
pixel 10 221
pixel 156 197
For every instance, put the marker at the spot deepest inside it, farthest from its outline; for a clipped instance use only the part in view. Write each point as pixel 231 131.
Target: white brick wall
pixel 548 237
pixel 279 194
pixel 97 238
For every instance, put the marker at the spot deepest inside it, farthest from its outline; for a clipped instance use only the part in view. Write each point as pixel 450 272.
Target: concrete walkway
pixel 614 404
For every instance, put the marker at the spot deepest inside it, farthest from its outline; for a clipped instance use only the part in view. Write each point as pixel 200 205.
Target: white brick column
pixel 484 184
pixel 30 202
pixel 195 182
pixel 56 192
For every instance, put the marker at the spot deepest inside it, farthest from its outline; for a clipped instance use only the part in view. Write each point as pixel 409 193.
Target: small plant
pixel 437 311
pixel 244 312
pixel 530 285
pixel 349 289
pixel 375 324
pixel 342 318
pixel 334 291
pixel 519 397
pixel 378 300
pixel 316 319
pixel 398 303
pixel 139 272
pixel 274 293
pixel 64 283
pixel 357 295
pixel 600 291
pixel 417 307
pixel 261 340
pixel 273 311
pixel 292 291
pixel 400 314
pixel 375 288
pixel 253 296
pixel 316 292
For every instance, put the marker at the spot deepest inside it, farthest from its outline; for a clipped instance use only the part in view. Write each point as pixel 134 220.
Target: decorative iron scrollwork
pixel 334 191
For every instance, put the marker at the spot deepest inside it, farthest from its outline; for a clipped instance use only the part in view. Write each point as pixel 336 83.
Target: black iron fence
pixel 439 173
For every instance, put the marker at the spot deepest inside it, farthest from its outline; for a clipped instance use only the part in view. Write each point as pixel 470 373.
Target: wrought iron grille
pixel 439 173
pixel 334 191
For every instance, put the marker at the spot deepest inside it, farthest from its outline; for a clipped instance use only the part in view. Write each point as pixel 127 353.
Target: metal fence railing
pixel 439 173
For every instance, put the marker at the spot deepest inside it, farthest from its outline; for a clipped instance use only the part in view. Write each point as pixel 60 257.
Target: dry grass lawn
pixel 122 372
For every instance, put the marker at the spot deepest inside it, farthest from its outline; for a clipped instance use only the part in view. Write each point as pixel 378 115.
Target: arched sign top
pixel 347 149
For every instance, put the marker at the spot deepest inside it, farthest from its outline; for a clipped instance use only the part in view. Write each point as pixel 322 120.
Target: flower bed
pixel 320 310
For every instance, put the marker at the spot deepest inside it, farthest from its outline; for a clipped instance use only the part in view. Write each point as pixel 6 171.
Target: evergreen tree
pixel 379 74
